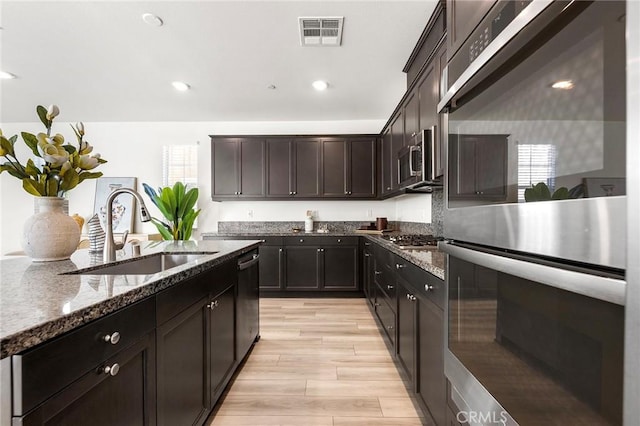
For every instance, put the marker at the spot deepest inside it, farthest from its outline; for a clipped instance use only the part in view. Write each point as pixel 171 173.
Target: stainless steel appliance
pixel 418 162
pixel 536 213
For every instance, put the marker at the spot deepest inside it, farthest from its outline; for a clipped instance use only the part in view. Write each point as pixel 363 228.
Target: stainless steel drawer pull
pixel 390 327
pixel 400 266
pixel 411 298
pixel 367 255
pixel 213 305
pixel 378 272
pixel 112 338
pixel 301 240
pixel 389 287
pixel 111 370
pixel 339 240
pixel 428 287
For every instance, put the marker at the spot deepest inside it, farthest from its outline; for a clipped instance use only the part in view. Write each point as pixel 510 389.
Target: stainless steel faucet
pixel 109 254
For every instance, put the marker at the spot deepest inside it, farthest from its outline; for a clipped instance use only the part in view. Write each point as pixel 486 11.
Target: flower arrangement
pixel 56 167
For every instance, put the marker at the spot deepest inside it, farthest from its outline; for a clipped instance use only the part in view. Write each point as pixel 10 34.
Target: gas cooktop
pixel 413 241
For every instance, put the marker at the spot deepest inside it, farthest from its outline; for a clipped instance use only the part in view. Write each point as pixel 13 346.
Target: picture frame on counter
pixel 604 187
pixel 123 207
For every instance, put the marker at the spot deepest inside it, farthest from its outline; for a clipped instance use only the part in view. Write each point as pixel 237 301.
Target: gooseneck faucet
pixel 109 254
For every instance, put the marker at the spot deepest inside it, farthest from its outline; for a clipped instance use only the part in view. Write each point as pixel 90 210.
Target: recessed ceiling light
pixel 271 87
pixel 563 85
pixel 6 75
pixel 151 19
pixel 181 86
pixel 320 85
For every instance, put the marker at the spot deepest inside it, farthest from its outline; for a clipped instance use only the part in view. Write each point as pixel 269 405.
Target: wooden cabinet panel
pixel 222 343
pixel 247 303
pixel 307 168
pixel 252 168
pixel 302 266
pixel 411 117
pixel 397 137
pixel 431 379
pixel 226 173
pixel 387 317
pixel 368 270
pixel 127 396
pixel 407 330
pixel 271 267
pixel 340 267
pixel 334 168
pixel 361 175
pixel 279 167
pixel 183 396
pixel 387 159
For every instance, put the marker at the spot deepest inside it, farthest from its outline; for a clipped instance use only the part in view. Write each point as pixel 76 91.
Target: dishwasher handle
pixel 249 263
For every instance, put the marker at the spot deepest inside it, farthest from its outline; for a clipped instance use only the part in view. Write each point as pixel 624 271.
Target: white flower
pixel 87 162
pixel 80 128
pixel 52 112
pixel 85 148
pixel 66 166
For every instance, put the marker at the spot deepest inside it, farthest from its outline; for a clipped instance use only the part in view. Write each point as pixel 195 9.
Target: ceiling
pixel 99 61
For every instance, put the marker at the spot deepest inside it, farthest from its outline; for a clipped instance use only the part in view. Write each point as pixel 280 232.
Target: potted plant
pixel 177 206
pixel 55 169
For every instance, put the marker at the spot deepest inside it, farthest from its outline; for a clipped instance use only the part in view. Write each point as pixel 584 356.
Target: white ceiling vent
pixel 321 31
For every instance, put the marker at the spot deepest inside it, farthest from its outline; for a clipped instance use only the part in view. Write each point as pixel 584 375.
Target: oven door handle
pixel 412 149
pixel 522 20
pixel 608 289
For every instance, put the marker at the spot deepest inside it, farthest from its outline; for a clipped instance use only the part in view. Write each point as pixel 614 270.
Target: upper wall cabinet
pixel 294 167
pixel 238 167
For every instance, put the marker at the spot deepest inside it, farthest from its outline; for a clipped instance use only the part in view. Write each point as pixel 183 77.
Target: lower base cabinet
pixel 222 345
pixel 431 382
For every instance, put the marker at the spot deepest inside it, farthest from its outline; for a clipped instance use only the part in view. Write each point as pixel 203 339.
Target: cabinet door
pixel 411 117
pixel 125 395
pixel 386 160
pixel 462 167
pixel 252 168
pixel 222 341
pixel 431 379
pixel 406 330
pixel 271 267
pixel 334 168
pixel 491 170
pixel 302 268
pixel 182 374
pixel 367 273
pixel 307 168
pixel 279 167
pixel 226 175
pixel 340 265
pixel 361 175
pixel 397 137
pixel 387 317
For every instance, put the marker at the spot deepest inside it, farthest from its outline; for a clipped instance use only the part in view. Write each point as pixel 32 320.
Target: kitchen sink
pixel 146 265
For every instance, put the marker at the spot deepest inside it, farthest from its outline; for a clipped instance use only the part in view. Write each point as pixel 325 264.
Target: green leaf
pixel 561 193
pixel 42 113
pixel 178 190
pixel 187 223
pixel 162 228
pixel 31 168
pixel 70 180
pixel 189 201
pixel 13 171
pixel 89 175
pixel 169 200
pixel 6 146
pixel 13 139
pixel 32 142
pixel 33 187
pixel 69 148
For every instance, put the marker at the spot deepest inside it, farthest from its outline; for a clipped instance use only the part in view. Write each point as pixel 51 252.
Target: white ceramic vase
pixel 50 234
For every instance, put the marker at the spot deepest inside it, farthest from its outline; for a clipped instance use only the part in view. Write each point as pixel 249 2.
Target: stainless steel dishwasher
pixel 248 311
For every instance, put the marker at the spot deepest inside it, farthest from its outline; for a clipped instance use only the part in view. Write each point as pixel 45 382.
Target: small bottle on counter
pixel 308 222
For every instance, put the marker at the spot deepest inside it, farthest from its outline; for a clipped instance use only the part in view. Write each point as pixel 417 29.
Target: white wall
pixel 135 149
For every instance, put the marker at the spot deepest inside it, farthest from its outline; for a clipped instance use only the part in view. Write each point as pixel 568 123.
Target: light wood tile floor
pixel 320 362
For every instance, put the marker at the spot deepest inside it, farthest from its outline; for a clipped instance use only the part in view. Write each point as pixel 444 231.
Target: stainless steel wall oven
pixel 536 213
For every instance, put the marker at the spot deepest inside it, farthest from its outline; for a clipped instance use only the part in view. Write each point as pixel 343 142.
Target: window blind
pixel 536 163
pixel 180 164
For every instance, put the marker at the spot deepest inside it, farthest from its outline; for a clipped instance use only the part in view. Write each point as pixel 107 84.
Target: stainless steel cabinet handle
pixel 428 287
pixel 376 304
pixel 280 250
pixel 389 327
pixel 378 272
pixel 302 240
pixel 400 266
pixel 388 188
pixel 367 255
pixel 411 298
pixel 339 240
pixel 112 338
pixel 213 305
pixel 389 287
pixel 111 370
pixel 367 244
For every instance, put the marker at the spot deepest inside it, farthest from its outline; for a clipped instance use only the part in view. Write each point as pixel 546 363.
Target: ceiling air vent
pixel 321 31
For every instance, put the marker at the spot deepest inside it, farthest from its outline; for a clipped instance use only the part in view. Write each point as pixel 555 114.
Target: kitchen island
pixel 70 340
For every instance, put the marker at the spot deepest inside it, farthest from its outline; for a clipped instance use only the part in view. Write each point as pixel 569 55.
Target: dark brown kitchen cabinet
pixel 387 158
pixel 198 314
pixel 348 168
pixel 407 331
pixel 293 167
pixel 238 167
pixel 397 143
pixel 302 267
pixel 368 271
pixel 411 115
pixel 478 167
pixel 271 261
pixel 462 18
pixel 340 267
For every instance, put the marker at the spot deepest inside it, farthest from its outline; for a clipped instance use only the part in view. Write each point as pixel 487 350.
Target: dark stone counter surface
pixel 431 260
pixel 37 303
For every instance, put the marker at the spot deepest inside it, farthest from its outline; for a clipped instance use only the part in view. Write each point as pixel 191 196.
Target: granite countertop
pixel 37 303
pixel 431 260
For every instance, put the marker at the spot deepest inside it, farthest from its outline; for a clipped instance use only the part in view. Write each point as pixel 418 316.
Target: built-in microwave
pixel 417 162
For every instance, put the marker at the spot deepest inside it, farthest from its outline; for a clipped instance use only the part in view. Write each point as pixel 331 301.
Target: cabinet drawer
pixel 387 282
pixel 422 282
pixel 320 241
pixel 40 372
pixel 270 241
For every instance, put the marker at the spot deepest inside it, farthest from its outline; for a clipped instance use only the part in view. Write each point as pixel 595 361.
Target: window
pixel 536 163
pixel 180 163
